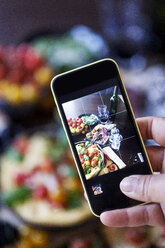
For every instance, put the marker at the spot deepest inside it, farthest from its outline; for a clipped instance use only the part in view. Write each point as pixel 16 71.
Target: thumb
pixel 147 188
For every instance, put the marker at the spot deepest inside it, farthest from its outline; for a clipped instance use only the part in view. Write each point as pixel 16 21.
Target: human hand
pixel 147 188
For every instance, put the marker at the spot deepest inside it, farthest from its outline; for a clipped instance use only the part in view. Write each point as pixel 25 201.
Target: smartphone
pixel 102 132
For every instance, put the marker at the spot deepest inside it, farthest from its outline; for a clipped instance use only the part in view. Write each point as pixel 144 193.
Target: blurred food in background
pixel 27 237
pixel 146 90
pixel 89 236
pixel 77 47
pixel 40 183
pixel 23 74
pixel 24 80
pixel 26 70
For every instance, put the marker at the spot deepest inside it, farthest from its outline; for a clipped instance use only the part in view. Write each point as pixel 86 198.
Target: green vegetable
pixel 89 119
pixel 14 155
pixel 80 145
pixel 72 172
pixel 57 147
pixel 16 196
pixel 88 136
pixel 83 150
pixel 61 138
pixel 74 199
pixel 99 163
pixel 86 157
pixel 68 171
pixel 87 143
pixel 57 150
pixel 99 156
pixel 87 169
pixel 63 52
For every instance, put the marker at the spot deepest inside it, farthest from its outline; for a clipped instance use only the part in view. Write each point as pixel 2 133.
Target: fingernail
pixel 129 184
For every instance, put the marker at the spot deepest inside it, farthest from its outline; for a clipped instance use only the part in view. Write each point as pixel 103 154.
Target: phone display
pixel 102 132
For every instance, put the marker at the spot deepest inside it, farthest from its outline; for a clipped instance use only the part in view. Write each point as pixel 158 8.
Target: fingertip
pixel 102 216
pixel 110 218
pixel 114 218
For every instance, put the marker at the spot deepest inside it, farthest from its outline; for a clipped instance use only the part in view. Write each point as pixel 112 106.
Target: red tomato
pixel 23 48
pixel 20 178
pixel 32 60
pixel 69 119
pixel 74 125
pixel 83 160
pixel 94 152
pixel 112 167
pixel 16 75
pixel 21 51
pixel 2 71
pixel 40 192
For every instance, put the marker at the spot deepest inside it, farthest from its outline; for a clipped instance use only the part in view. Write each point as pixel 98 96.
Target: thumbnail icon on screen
pixel 97 189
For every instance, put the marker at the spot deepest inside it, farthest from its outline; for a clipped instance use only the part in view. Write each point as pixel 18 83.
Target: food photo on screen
pixel 102 132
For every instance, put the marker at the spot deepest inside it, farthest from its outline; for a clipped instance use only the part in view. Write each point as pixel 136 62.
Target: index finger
pixel 152 128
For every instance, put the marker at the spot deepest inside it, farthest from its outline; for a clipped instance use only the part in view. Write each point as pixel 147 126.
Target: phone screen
pixel 105 141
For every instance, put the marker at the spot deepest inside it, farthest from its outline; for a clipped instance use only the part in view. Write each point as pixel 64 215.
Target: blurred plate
pixel 67 217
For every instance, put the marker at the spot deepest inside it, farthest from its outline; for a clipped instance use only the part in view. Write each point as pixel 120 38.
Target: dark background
pixel 21 19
